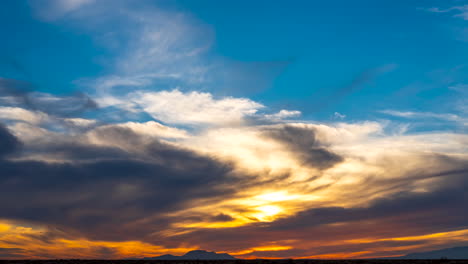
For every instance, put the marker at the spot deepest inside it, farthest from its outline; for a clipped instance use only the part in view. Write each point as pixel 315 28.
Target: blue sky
pixel 301 53
pixel 262 129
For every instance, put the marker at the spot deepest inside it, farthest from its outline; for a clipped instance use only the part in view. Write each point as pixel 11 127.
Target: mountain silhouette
pixel 195 255
pixel 448 253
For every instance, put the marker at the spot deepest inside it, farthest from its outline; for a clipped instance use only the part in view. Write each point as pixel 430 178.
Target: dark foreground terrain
pixel 256 261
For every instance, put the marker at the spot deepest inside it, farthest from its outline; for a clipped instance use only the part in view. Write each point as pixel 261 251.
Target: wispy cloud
pixel 150 44
pixel 56 9
pixel 448 117
pixel 460 11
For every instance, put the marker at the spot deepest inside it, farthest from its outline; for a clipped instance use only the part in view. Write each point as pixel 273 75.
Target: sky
pixel 262 129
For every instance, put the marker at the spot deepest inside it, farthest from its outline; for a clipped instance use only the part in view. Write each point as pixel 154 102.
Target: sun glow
pixel 4 227
pixel 278 196
pixel 267 213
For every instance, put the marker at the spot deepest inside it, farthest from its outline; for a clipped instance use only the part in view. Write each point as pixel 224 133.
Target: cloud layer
pixel 253 189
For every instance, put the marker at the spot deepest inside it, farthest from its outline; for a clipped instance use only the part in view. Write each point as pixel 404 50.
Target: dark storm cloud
pixel 302 142
pixel 101 198
pixel 8 143
pixel 23 94
pixel 78 152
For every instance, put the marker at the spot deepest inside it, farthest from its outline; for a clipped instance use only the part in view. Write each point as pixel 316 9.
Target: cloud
pixel 411 207
pixel 109 184
pixel 427 115
pixel 157 49
pixel 461 88
pixel 8 142
pixel 17 113
pixel 273 181
pixel 72 105
pixel 461 11
pixel 302 142
pixel 283 114
pixel 233 178
pixel 152 128
pixel 15 93
pixel 7 253
pixel 51 10
pixel 79 122
pixel 462 102
pixel 194 107
pixel 338 116
pixel 151 46
pixel 56 9
pixel 451 117
pixel 396 223
pixel 222 218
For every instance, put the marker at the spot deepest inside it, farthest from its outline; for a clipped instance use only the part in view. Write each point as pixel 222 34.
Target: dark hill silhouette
pixel 448 253
pixel 195 255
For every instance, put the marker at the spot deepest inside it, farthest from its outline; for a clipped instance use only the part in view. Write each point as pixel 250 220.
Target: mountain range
pixel 195 255
pixel 447 253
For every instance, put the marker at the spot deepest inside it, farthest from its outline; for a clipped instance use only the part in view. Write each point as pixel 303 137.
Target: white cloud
pixel 283 114
pixel 155 129
pixel 344 133
pixel 20 114
pixel 27 119
pixel 80 122
pixel 194 108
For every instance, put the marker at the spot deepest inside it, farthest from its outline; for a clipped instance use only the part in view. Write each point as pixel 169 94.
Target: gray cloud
pixel 222 218
pixel 23 94
pixel 8 142
pixel 302 142
pixel 98 197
